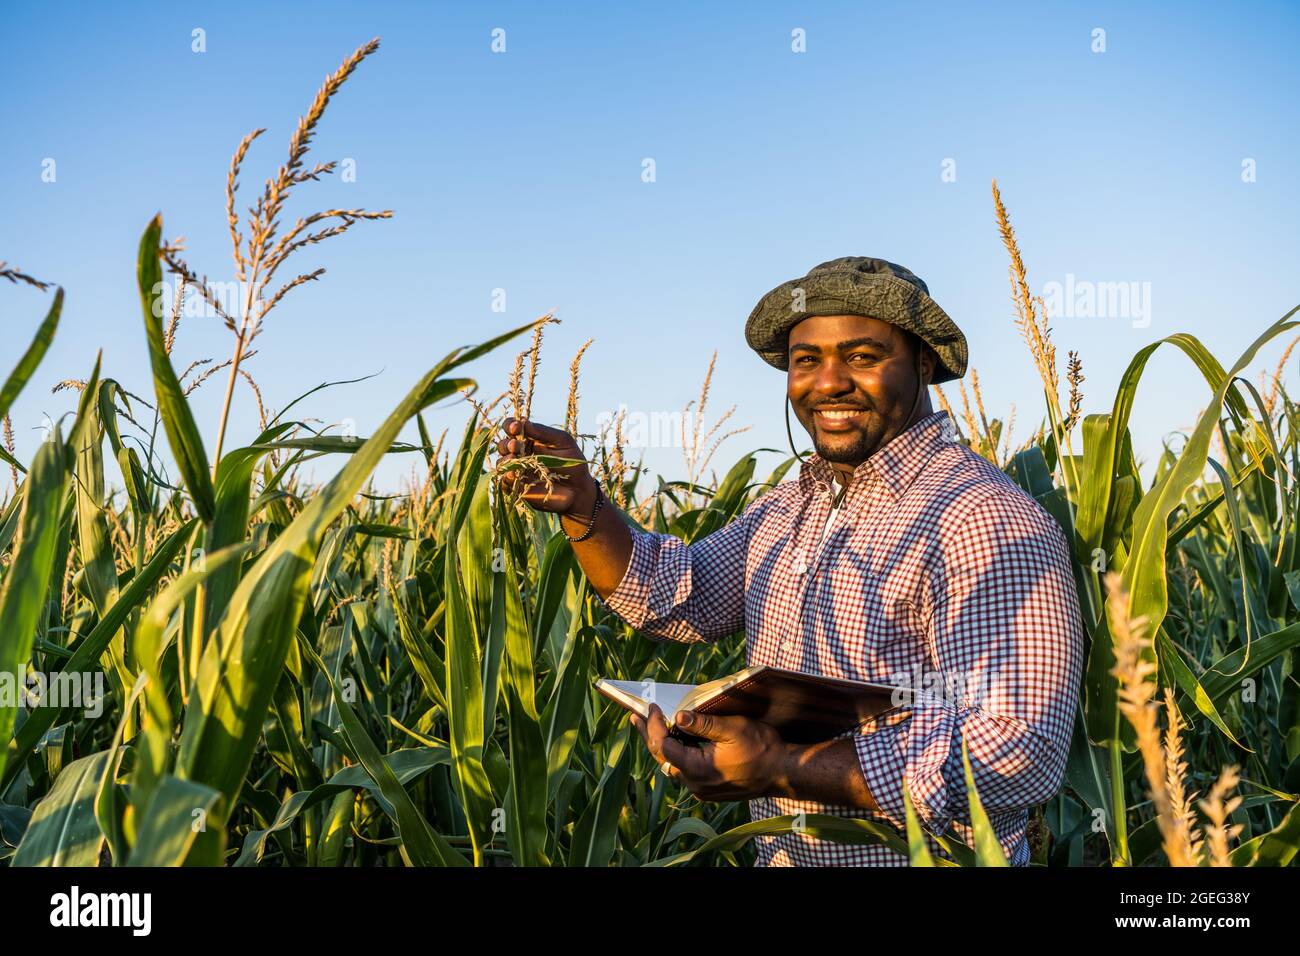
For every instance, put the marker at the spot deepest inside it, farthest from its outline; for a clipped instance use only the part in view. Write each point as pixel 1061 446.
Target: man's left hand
pixel 738 758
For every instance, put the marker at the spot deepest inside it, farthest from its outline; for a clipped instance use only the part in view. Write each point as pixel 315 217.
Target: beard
pixel 846 449
pixel 881 417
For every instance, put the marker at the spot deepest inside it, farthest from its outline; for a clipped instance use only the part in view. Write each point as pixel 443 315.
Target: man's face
pixel 852 383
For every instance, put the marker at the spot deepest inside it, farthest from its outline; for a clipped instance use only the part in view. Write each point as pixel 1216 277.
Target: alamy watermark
pixel 74 908
pixel 1084 299
pixel 642 429
pixel 959 688
pixel 221 298
pixel 64 689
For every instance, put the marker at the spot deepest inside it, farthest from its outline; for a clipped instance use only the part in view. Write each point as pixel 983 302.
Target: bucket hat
pixel 856 285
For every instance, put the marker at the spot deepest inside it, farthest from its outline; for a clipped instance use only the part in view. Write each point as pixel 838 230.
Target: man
pixel 897 556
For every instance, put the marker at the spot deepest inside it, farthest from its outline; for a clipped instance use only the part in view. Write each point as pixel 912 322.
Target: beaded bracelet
pixel 591 525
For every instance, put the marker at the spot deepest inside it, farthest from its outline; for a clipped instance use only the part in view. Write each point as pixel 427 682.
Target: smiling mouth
pixel 838 419
pixel 839 414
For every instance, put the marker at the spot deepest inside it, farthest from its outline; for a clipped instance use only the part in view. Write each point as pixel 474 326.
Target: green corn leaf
pixel 99 575
pixel 1144 569
pixel 109 805
pixel 241 664
pixel 176 813
pixel 63 830
pixel 178 420
pixel 988 852
pixel 1225 676
pixel 424 659
pixel 557 566
pixel 230 522
pixel 407 765
pixel 1103 435
pixel 596 832
pixel 26 583
pixel 154 744
pixel 820 826
pixel 28 363
pixel 32 357
pixel 1276 848
pixel 464 683
pixel 917 850
pixel 1144 572
pixel 92 646
pixel 564 712
pixel 420 845
pixel 527 795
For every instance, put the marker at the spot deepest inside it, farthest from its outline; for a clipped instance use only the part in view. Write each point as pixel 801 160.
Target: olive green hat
pixel 856 285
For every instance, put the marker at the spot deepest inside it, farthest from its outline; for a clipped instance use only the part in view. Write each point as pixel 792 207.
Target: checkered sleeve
pixel 1007 640
pixel 694 592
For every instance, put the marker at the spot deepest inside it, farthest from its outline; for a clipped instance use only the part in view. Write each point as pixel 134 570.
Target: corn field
pixel 316 675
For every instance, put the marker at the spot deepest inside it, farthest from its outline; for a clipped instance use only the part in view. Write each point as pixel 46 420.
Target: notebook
pixel 805 708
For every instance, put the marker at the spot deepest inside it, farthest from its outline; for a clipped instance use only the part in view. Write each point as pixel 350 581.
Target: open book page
pixel 638 695
pixel 713 688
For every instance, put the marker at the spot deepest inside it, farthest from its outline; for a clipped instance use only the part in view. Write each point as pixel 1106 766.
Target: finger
pixel 694 762
pixel 543 435
pixel 639 724
pixel 657 723
pixel 520 487
pixel 512 441
pixel 709 726
pixel 538 493
pixel 656 729
pixel 509 479
pixel 652 746
pixel 517 446
pixel 522 474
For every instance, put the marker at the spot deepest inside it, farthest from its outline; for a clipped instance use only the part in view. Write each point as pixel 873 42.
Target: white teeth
pixel 838 413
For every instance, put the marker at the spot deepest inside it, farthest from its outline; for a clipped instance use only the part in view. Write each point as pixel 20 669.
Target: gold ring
pixel 666 769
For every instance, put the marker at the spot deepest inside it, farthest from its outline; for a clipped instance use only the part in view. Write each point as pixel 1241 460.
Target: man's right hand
pixel 573 490
pixel 606 550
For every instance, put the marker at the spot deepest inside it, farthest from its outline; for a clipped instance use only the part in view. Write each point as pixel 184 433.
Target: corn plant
pixel 307 674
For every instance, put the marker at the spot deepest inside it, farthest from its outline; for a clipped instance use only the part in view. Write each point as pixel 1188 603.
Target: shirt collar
pixel 897 463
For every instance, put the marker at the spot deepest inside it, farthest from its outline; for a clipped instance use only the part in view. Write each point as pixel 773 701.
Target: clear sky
pixel 523 170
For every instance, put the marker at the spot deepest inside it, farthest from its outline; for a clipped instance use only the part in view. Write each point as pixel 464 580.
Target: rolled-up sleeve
pixel 693 592
pixel 1007 648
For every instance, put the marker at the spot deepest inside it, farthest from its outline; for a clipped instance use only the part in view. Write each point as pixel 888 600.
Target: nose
pixel 833 378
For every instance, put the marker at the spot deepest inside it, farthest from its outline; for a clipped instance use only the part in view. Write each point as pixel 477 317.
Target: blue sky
pixel 522 171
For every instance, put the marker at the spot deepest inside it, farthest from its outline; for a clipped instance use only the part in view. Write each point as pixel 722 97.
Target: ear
pixel 929 364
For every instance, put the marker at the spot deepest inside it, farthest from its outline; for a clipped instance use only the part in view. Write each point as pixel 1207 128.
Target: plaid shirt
pixel 939 574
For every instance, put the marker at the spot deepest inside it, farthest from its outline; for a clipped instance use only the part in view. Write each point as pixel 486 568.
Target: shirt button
pixel 800 566
pixel 787 645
